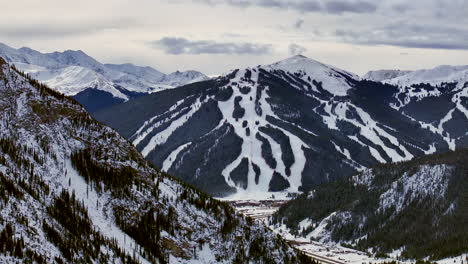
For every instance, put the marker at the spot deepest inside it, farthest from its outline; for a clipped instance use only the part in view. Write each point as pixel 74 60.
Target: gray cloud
pixel 303 6
pixel 407 35
pixel 40 31
pixel 400 7
pixel 48 29
pixel 295 49
pixel 267 3
pixel 175 46
pixel 440 25
pixel 299 23
pixel 338 7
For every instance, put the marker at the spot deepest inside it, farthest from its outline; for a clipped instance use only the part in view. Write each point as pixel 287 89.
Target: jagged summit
pixel 68 52
pixel 94 84
pixel 144 72
pixel 179 78
pixel 76 58
pixel 26 49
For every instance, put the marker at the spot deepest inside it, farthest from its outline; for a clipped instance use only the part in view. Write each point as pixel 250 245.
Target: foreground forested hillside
pixel 73 191
pixel 419 207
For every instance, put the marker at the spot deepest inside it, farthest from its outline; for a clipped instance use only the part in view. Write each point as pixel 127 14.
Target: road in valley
pixel 326 253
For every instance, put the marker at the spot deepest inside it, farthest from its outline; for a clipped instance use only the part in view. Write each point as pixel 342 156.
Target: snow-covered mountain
pixel 382 75
pixel 413 210
pixel 178 78
pixel 287 127
pixel 436 76
pixel 332 79
pixel 73 191
pixel 73 80
pixel 76 74
pixel 437 100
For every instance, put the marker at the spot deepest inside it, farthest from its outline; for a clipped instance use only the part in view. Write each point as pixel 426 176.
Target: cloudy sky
pixel 214 36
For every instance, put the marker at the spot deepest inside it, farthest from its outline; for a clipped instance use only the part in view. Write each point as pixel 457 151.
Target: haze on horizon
pixel 214 36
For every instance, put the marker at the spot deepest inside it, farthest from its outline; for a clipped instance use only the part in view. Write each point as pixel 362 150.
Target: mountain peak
pixel 298 59
pixel 382 75
pixel 76 58
pixel 78 52
pixel 299 56
pixel 5 47
pixel 306 64
pixel 333 79
pixel 26 49
pixel 434 76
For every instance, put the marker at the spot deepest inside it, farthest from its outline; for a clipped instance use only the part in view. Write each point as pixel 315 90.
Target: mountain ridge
pixel 73 190
pixel 411 210
pixel 382 75
pixel 281 124
pixel 64 71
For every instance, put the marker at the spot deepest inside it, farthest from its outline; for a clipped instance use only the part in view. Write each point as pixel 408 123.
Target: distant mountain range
pixel 92 83
pixel 286 127
pixel 382 75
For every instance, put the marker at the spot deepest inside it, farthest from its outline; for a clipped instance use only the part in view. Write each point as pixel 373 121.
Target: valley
pixel 321 251
pixel 326 253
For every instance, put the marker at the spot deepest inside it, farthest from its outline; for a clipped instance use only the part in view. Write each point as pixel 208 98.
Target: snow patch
pixel 428 181
pixel 97 212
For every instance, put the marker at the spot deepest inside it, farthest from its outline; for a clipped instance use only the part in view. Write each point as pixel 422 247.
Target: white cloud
pixel 176 46
pixel 295 49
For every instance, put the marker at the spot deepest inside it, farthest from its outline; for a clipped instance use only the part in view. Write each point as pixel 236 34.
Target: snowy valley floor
pixel 328 253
